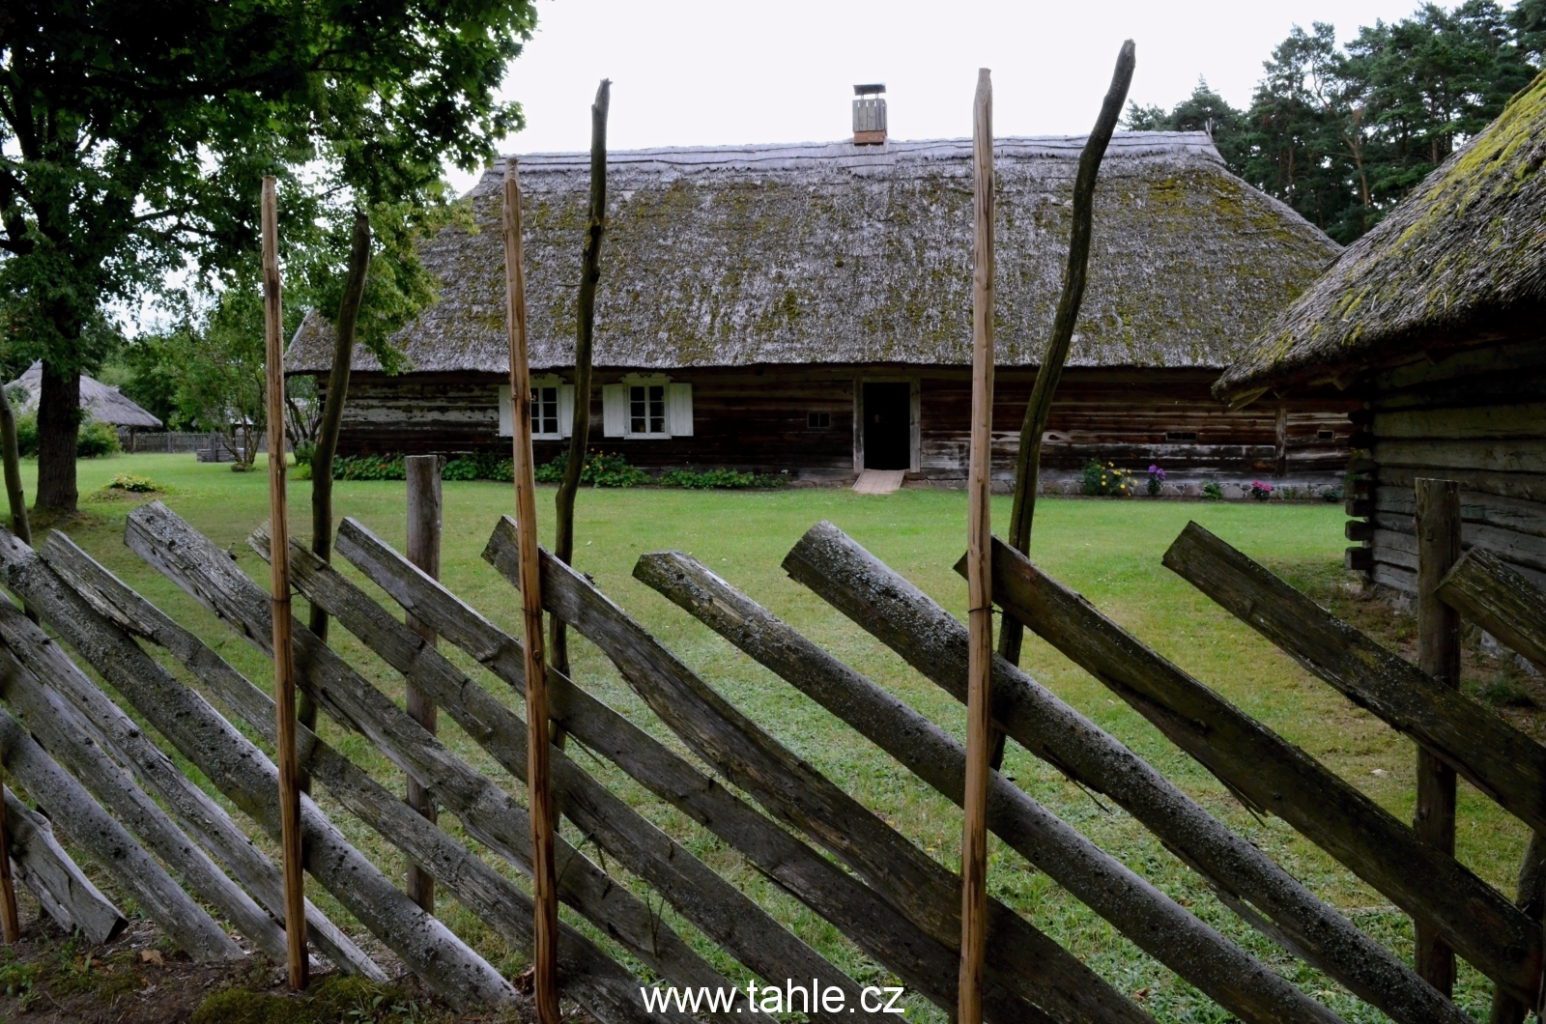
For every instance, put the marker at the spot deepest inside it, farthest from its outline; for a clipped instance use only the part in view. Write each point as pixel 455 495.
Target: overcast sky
pixel 706 72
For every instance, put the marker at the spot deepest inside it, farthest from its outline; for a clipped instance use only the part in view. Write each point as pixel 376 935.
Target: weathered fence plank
pixel 249 779
pixel 1235 980
pixel 1494 756
pixel 63 889
pixel 875 925
pixel 486 811
pixel 424 505
pixel 594 978
pixel 1271 775
pixel 1492 595
pixel 725 914
pixel 932 641
pixel 33 690
pixel 1022 957
pixel 110 845
pixel 199 814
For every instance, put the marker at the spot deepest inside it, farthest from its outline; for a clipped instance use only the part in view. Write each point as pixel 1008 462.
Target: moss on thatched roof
pixel 99 401
pixel 835 253
pixel 1461 259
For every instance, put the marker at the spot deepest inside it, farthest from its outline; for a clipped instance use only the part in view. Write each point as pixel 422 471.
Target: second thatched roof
pixel 99 401
pixel 1460 260
pixel 836 253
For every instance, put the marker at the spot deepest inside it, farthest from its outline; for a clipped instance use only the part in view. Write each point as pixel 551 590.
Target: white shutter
pixel 614 410
pixel 506 412
pixel 565 410
pixel 679 410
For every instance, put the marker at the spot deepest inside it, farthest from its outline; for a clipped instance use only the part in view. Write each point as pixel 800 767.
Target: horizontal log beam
pixel 905 619
pixel 927 966
pixel 1020 957
pixel 486 811
pixel 249 780
pixel 186 923
pixel 62 888
pixel 1273 776
pixel 1488 592
pixel 1235 980
pixel 724 913
pixel 1494 756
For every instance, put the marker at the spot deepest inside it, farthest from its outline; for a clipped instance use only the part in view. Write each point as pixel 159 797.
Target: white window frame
pixel 564 394
pixel 617 407
pixel 665 408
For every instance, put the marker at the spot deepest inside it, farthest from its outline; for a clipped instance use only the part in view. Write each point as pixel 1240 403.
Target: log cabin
pixel 1435 321
pixel 806 309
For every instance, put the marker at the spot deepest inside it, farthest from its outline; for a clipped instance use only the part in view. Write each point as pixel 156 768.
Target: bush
pixel 720 479
pixel 95 440
pixel 1331 495
pixel 369 467
pixel 1261 490
pixel 1211 491
pixel 1104 479
pixel 134 484
pixel 602 469
pixel 479 466
pixel 1156 479
pixel 27 434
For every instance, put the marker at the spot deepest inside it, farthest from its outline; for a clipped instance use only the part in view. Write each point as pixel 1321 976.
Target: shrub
pixel 1331 495
pixel 96 440
pixel 134 484
pixel 1211 491
pixel 720 479
pixel 1100 479
pixel 479 466
pixel 27 434
pixel 1261 490
pixel 369 467
pixel 1156 479
pixel 608 469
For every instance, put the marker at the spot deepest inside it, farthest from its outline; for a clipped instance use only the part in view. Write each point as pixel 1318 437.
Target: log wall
pixel 1476 417
pixel 759 419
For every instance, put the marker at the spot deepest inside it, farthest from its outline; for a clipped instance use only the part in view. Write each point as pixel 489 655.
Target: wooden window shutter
pixel 679 410
pixel 566 410
pixel 506 412
pixel 614 410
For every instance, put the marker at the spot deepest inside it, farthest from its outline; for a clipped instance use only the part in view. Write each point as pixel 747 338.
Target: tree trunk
pixel 11 454
pixel 327 434
pixel 579 436
pixel 59 418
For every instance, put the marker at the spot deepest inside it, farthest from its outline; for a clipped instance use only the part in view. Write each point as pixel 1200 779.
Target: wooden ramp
pixel 879 481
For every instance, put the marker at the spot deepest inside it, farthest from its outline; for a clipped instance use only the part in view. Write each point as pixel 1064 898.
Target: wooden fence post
pixel 979 540
pixel 10 921
pixel 279 589
pixel 544 887
pixel 424 518
pixel 1438 654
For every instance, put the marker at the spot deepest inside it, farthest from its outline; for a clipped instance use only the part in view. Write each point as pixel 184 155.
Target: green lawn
pixel 1108 550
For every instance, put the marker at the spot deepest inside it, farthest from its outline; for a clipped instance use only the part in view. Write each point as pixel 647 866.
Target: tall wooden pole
pixel 279 590
pixel 979 542
pixel 424 517
pixel 544 877
pixel 1438 654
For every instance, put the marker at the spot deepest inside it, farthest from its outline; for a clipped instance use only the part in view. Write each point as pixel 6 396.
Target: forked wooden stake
pixel 544 885
pixel 279 590
pixel 979 542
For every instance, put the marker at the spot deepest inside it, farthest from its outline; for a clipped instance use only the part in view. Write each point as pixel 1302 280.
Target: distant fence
pixel 176 441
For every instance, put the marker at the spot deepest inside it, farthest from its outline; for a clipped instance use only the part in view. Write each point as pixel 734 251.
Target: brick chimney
pixel 869 114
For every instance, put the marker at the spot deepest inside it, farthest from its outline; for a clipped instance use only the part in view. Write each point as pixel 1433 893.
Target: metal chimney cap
pixel 872 89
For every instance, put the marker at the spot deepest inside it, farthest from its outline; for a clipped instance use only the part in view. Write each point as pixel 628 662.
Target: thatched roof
pixel 102 403
pixel 836 253
pixel 1461 259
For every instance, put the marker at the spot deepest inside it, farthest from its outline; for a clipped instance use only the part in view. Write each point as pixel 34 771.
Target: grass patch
pixel 1108 550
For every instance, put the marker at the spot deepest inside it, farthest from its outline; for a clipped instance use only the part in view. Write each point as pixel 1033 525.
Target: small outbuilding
pixel 807 309
pixel 1435 321
pixel 100 402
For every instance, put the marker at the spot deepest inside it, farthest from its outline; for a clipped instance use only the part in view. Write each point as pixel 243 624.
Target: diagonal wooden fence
pixel 191 867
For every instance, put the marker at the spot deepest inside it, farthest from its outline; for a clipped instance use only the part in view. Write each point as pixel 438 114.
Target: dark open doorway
pixel 887 426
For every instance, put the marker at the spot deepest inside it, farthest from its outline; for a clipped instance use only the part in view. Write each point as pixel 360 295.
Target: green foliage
pixel 1342 133
pixel 1211 491
pixel 1104 479
pixel 720 479
pixel 1331 495
pixel 369 467
pixel 27 434
pixel 96 440
pixel 602 469
pixel 134 484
